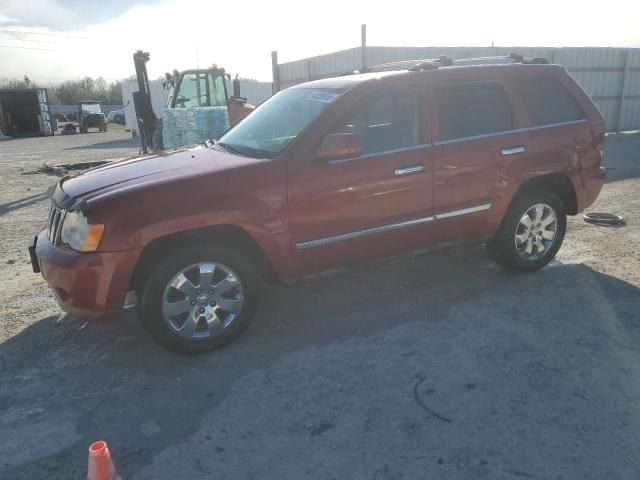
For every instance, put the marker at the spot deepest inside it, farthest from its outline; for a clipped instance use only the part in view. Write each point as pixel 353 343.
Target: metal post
pixel 275 72
pixel 363 35
pixel 624 83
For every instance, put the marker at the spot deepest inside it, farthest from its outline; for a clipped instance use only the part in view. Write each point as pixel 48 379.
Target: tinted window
pixel 388 121
pixel 468 109
pixel 548 101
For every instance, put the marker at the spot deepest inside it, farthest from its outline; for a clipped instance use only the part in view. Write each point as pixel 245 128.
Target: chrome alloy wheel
pixel 202 300
pixel 536 232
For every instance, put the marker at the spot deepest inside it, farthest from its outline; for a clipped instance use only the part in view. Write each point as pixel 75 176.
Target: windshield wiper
pixel 228 147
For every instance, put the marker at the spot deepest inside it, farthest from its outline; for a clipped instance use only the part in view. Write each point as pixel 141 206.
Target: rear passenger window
pixel 388 121
pixel 548 101
pixel 473 108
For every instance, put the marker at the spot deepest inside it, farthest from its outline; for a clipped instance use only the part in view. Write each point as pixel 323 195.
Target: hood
pixel 128 173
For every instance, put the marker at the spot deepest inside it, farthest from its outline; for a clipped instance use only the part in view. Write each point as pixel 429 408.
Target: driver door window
pixel 389 121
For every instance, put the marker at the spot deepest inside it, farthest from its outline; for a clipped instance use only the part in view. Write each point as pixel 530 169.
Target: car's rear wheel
pixel 531 233
pixel 200 299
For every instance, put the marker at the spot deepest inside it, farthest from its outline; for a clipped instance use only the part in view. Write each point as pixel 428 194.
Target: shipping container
pixel 25 112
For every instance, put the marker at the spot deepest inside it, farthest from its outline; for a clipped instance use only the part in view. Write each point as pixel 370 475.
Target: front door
pixel 378 203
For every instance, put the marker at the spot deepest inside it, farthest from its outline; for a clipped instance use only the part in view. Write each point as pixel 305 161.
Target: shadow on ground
pixel 23 202
pixel 124 143
pixel 436 366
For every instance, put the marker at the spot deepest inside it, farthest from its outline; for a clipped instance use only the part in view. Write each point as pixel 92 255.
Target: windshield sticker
pixel 323 96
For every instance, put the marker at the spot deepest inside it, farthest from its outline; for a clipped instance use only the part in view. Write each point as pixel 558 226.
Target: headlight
pixel 78 234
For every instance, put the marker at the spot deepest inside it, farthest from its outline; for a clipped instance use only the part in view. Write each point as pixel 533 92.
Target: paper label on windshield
pixel 323 96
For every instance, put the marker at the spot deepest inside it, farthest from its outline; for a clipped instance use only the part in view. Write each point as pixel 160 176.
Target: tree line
pixel 69 92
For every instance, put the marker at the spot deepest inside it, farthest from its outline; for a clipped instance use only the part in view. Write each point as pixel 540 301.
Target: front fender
pixel 271 237
pixel 254 200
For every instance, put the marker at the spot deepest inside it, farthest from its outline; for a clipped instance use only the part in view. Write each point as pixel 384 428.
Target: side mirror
pixel 337 146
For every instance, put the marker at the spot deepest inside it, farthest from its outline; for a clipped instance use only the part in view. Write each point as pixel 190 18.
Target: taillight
pixel 598 136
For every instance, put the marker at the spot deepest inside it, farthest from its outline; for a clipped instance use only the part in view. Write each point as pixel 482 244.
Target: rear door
pixel 476 129
pixel 372 205
pixel 559 130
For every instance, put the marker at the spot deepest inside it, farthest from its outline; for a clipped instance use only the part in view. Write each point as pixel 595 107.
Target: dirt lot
pixel 436 366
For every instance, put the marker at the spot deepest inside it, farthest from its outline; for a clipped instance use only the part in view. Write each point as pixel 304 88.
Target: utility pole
pixel 363 38
pixel 275 72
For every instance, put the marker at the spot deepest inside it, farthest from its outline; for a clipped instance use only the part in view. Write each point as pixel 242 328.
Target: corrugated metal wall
pixel 611 76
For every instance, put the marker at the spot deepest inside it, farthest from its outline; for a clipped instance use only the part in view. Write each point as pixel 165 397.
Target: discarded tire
pixel 598 218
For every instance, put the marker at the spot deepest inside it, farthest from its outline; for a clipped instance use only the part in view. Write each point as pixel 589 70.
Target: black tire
pixel 502 248
pixel 157 280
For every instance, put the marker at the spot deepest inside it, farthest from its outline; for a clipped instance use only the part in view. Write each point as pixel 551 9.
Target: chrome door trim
pixel 559 124
pixel 507 132
pixel 391 226
pixel 408 170
pixel 464 211
pixel 377 154
pixel 362 233
pixel 513 150
pixel 478 137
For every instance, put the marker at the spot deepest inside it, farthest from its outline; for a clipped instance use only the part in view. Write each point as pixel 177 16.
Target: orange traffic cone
pixel 100 464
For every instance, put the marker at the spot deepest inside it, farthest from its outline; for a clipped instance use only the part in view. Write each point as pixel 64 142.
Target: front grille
pixel 54 223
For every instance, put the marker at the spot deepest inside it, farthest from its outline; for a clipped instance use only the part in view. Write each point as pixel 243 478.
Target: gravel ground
pixel 432 366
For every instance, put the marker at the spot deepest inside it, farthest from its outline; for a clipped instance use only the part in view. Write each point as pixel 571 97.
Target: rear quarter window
pixel 548 101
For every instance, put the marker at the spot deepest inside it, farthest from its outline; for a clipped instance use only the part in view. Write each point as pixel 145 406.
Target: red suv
pixel 324 174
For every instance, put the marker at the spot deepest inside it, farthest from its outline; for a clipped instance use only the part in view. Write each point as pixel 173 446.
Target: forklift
pixel 196 88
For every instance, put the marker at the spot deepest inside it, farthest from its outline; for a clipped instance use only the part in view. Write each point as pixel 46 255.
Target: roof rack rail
pixel 445 61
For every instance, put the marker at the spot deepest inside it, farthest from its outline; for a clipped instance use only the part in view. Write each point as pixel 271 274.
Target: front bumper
pixel 89 286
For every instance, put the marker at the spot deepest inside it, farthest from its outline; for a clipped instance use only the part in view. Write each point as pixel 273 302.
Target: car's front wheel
pixel 531 233
pixel 200 298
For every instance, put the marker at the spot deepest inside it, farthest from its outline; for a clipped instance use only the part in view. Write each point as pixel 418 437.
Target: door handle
pixel 513 150
pixel 408 170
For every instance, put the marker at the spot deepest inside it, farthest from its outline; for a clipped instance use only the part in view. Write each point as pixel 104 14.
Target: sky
pixel 52 40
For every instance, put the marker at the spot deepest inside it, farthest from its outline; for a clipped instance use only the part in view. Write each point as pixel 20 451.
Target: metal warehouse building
pixel 611 76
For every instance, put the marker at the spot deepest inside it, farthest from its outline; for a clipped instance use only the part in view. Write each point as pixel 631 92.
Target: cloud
pixel 4 20
pixel 66 14
pixel 181 34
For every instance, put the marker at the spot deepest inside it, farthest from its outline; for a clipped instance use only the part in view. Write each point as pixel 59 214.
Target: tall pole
pixel 363 35
pixel 625 80
pixel 275 72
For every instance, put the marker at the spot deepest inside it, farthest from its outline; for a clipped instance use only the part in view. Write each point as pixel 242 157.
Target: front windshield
pixel 91 108
pixel 271 127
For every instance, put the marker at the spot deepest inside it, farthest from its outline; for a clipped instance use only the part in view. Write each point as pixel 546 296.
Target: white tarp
pixel 191 125
pixel 254 92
